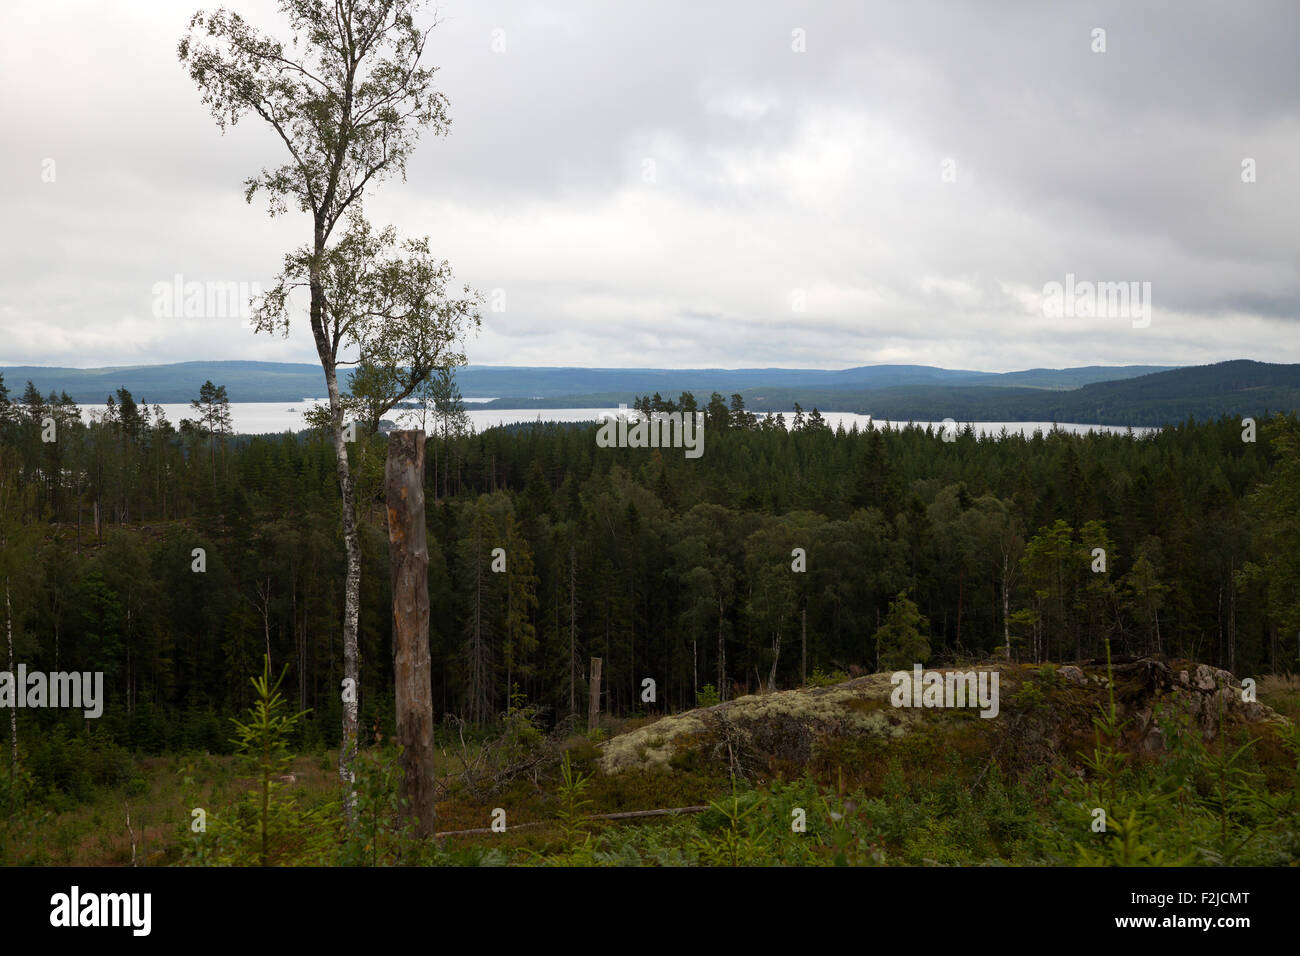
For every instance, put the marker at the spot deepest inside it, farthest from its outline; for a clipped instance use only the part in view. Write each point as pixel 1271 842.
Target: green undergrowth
pixel 953 792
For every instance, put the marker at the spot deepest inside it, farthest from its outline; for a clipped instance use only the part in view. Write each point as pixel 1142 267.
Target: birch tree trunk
pixel 803 640
pixel 352 546
pixel 13 711
pixel 1232 624
pixel 722 655
pixel 1006 605
pixel 593 704
pixel 776 659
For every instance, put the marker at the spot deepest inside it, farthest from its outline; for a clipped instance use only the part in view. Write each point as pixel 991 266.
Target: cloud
pixel 664 185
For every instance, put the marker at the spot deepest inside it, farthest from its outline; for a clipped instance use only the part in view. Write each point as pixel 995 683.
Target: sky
pixel 687 185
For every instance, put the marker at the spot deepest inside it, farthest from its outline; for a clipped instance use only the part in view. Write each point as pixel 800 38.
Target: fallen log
pixel 623 815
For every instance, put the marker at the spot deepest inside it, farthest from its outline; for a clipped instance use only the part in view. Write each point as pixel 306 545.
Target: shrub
pixel 820 678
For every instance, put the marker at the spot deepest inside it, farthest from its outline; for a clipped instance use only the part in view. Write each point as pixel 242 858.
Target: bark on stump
pixel 409 558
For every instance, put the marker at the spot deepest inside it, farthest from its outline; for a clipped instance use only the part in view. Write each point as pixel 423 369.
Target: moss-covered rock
pixel 1045 711
pixel 783 726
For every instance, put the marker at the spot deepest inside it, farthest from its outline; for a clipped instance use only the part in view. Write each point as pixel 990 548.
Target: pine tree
pixel 903 639
pixel 214 417
pixel 482 605
pixel 521 602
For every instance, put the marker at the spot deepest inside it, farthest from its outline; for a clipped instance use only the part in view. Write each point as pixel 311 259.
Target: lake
pixel 270 417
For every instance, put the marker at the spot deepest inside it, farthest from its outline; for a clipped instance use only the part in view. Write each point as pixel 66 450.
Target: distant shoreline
pixel 271 418
pixel 1107 395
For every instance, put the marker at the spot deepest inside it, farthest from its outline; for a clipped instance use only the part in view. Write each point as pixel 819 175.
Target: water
pixel 847 419
pixel 273 417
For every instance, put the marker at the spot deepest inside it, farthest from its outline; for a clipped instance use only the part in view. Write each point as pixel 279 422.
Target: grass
pixel 943 795
pixel 1282 693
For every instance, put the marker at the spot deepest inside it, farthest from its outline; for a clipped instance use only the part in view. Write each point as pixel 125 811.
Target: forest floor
pixel 914 787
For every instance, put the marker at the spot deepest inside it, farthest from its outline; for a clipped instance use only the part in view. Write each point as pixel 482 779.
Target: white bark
pixel 13 711
pixel 351 595
pixel 1006 605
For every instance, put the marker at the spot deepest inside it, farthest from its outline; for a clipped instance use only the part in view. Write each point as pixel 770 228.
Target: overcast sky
pixel 777 175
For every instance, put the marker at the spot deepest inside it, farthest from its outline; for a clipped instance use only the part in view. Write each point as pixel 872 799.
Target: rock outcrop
pixel 1045 710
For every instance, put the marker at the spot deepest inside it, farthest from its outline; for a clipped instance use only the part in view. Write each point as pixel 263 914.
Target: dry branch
pixel 622 815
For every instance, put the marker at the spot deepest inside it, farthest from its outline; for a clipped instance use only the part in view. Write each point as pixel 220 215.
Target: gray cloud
pixel 776 175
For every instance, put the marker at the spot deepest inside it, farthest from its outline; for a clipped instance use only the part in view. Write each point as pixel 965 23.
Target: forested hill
pixel 575 387
pixel 1205 392
pixel 177 382
pixel 1128 395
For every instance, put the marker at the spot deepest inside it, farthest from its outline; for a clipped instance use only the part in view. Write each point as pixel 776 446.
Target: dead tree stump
pixel 408 554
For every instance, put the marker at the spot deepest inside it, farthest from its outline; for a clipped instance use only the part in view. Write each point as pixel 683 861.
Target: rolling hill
pixel 1105 395
pixel 292 382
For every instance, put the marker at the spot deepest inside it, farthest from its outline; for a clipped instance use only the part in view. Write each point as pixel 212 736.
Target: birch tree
pixel 17 570
pixel 347 99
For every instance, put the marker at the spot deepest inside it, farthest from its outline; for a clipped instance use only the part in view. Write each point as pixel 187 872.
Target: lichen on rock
pixel 783 725
pixel 1045 711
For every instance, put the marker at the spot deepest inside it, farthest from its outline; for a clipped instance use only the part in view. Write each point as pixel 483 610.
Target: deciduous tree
pixel 348 100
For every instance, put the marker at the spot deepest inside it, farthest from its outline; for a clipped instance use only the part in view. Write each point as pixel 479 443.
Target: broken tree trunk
pixel 593 708
pixel 409 557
